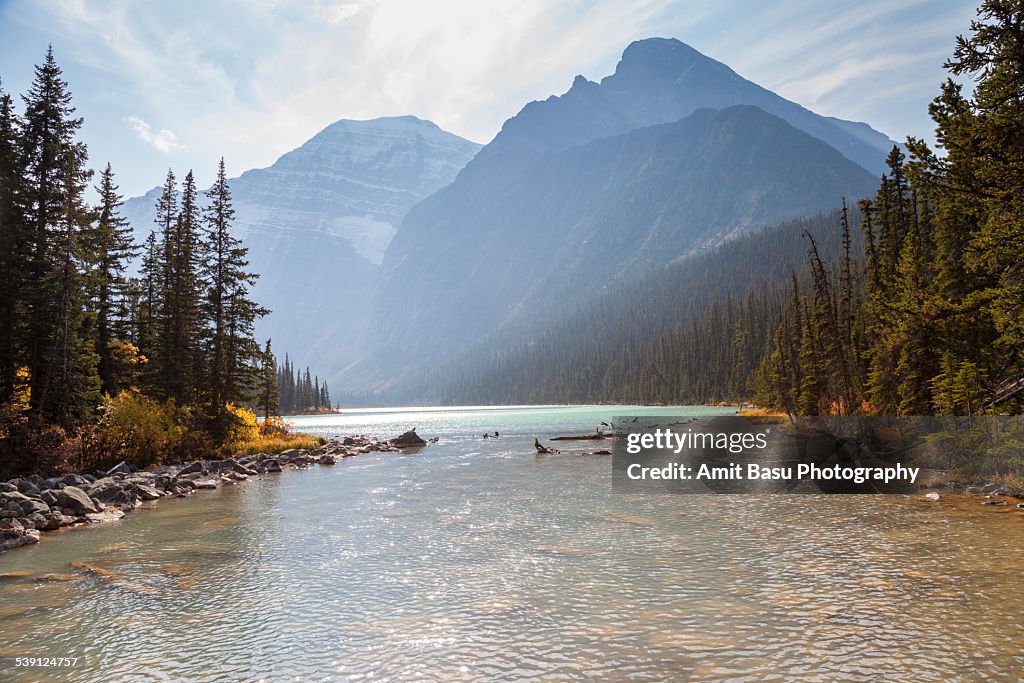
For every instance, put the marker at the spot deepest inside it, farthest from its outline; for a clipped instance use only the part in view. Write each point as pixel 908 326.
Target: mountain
pixel 659 339
pixel 659 80
pixel 580 219
pixel 582 189
pixel 317 223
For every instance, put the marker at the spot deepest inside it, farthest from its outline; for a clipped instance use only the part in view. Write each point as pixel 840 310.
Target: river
pixel 475 559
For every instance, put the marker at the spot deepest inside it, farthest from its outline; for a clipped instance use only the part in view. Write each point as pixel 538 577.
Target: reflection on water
pixel 476 559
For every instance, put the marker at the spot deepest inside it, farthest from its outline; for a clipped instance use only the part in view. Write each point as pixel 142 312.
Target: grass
pixel 276 443
pixel 761 412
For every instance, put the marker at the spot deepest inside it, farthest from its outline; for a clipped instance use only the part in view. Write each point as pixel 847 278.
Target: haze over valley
pixel 388 246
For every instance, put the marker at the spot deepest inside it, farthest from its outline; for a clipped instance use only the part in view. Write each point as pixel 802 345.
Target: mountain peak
pixel 664 60
pixel 407 123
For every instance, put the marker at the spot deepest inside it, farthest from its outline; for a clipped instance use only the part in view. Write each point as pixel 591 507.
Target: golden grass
pixel 761 412
pixel 276 443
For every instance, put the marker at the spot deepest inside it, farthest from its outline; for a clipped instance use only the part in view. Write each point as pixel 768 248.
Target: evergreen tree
pixel 14 240
pixel 149 287
pixel 109 246
pixel 60 366
pixel 270 394
pixel 229 310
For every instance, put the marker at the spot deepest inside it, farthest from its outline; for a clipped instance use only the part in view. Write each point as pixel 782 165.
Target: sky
pixel 180 84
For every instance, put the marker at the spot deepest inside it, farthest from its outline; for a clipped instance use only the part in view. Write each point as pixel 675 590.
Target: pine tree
pixel 229 310
pixel 14 240
pixel 150 285
pixel 109 246
pixel 61 368
pixel 270 394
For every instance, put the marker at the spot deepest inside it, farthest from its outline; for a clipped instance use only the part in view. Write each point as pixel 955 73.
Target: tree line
pixel 932 320
pixel 693 332
pixel 299 392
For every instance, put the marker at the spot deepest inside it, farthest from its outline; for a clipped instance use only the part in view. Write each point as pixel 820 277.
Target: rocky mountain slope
pixel 317 223
pixel 579 190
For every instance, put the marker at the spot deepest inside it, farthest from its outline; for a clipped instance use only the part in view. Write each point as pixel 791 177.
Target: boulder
pixel 26 486
pixel 33 506
pixel 76 500
pixel 16 537
pixel 410 439
pixel 7 487
pixel 73 480
pixel 272 465
pixel 146 492
pixel 327 459
pixel 242 469
pixel 49 498
pixel 181 489
pixel 109 514
pixel 36 521
pixel 114 493
pixel 197 467
pixel 206 483
pixel 16 497
pixel 51 521
pixel 120 468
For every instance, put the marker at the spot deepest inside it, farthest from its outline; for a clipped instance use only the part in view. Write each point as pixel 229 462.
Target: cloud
pixel 163 140
pixel 252 79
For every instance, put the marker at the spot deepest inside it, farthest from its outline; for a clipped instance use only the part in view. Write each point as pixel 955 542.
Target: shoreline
pixel 32 504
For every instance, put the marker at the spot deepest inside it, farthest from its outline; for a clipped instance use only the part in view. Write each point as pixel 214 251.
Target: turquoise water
pixel 475 559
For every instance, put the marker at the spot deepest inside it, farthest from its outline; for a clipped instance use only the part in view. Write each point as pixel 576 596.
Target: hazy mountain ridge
pixel 318 220
pixel 579 219
pixel 464 258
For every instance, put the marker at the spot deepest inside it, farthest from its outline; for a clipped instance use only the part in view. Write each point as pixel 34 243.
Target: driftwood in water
pixel 541 448
pixel 598 436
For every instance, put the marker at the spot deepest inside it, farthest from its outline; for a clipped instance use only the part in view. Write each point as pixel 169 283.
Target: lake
pixel 476 559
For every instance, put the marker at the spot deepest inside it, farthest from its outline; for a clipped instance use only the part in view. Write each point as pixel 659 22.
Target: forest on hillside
pixel 97 366
pixel 918 312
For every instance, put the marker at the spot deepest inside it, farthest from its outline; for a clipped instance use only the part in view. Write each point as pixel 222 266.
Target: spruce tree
pixel 270 394
pixel 229 310
pixel 14 241
pixel 60 366
pixel 109 246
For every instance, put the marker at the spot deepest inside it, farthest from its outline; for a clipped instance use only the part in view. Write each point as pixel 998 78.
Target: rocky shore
pixel 31 504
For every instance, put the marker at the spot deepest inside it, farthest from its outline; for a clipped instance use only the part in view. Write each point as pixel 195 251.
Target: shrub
pixel 138 429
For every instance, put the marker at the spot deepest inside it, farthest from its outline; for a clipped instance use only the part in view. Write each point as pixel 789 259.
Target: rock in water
pixel 17 536
pixel 408 440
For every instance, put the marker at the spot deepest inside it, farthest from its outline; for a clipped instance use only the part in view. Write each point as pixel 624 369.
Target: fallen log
pixel 541 448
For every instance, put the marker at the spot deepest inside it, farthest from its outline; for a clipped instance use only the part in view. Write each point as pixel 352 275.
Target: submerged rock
pixel 109 514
